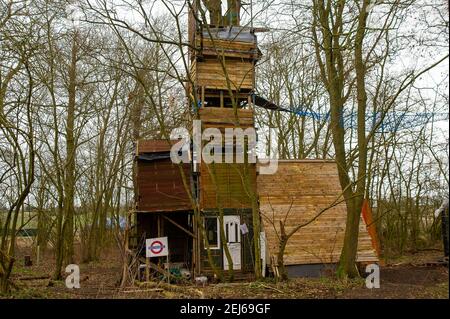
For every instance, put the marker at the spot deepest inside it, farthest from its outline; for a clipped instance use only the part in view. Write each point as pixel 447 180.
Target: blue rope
pixel 392 121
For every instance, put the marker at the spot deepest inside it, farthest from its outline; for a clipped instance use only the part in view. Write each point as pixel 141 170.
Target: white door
pixel 232 231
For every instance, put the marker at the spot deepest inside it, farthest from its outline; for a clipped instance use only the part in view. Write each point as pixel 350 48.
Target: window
pixel 212 235
pixel 232 232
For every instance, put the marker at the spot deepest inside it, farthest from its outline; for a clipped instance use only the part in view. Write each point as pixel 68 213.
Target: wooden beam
pixel 158 269
pixel 178 225
pixel 261 29
pixel 203 97
pixel 159 228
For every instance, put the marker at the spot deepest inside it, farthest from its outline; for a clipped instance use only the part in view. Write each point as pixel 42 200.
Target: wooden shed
pixel 163 206
pixel 159 182
pixel 297 192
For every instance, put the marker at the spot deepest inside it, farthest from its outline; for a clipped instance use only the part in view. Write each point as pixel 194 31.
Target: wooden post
pixel 168 268
pixel 158 221
pixel 147 269
pixel 221 99
pixel 203 97
pixel 196 248
pixel 38 253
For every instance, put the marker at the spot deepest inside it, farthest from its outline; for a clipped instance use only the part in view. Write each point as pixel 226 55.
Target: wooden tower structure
pixel 209 222
pixel 222 80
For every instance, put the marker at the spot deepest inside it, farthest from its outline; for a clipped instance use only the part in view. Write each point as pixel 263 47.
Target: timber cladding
pixel 153 146
pixel 159 182
pixel 226 117
pixel 224 64
pixel 296 193
pixel 228 48
pixel 227 185
pixel 239 74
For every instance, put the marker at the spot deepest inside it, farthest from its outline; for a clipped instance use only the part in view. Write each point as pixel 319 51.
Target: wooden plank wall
pixel 154 146
pixel 209 73
pixel 228 184
pixel 228 181
pixel 161 188
pixel 301 189
pixel 226 116
pixel 227 48
pixel 239 58
pixel 159 182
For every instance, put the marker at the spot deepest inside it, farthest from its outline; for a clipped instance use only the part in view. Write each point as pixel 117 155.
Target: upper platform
pixel 227 38
pixel 231 42
pixel 222 59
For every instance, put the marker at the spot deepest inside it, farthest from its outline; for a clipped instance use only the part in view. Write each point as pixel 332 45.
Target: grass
pixel 439 291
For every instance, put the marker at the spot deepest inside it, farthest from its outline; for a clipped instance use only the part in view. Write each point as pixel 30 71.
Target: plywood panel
pixel 297 192
pixel 226 116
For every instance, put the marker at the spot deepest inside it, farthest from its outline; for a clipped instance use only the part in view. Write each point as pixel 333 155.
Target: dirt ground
pixel 412 276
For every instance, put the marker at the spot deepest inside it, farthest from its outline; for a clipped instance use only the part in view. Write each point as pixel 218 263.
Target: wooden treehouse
pixel 187 207
pixel 222 72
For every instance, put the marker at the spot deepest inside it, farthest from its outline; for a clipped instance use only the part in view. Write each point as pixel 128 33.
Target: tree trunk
pixel 283 276
pixel 69 187
pixel 59 247
pixel 354 206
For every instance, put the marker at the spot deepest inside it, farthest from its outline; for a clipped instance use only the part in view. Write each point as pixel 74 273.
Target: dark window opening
pixel 211 229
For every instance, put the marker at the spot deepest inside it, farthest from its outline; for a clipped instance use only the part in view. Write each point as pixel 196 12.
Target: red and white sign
pixel 156 247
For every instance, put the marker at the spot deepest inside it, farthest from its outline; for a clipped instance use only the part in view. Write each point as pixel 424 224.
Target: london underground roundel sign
pixel 156 247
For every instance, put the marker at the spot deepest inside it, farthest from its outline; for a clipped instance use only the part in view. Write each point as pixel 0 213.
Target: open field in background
pixel 403 277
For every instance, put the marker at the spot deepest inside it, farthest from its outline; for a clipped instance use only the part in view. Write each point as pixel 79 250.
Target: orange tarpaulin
pixel 370 225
